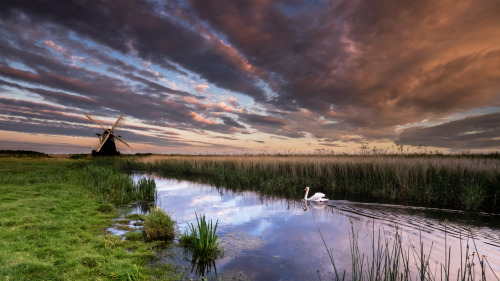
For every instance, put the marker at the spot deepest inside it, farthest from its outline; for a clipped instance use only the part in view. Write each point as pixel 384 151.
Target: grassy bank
pixel 52 227
pixel 468 182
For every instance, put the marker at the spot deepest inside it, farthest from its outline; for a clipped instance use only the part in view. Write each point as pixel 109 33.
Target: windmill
pixel 106 144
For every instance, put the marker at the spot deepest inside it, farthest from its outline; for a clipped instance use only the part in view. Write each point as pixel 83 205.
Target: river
pixel 268 238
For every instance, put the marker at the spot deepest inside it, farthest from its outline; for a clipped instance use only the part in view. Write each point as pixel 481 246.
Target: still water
pixel 277 239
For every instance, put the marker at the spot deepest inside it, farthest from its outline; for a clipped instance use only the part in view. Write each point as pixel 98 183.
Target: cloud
pixel 475 132
pixel 378 64
pixel 346 71
pixel 151 36
pixel 198 118
pixel 231 122
pixel 232 101
pixel 201 88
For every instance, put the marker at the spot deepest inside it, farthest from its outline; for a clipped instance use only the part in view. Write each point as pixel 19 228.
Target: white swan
pixel 318 196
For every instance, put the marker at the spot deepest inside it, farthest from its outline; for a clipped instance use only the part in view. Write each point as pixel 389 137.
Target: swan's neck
pixel 307 192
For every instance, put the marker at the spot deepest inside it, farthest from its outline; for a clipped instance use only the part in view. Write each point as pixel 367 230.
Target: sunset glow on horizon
pixel 251 76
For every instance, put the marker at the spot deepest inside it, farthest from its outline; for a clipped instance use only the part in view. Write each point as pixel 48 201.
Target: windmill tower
pixel 106 144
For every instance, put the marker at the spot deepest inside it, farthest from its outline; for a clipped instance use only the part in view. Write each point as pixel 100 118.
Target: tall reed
pixel 470 183
pixel 388 261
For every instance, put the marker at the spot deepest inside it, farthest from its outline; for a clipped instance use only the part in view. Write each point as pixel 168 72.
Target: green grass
pixel 202 238
pixel 116 187
pixel 158 225
pixel 468 182
pixel 135 217
pixel 52 227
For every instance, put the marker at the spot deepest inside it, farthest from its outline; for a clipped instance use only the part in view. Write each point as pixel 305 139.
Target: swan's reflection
pixel 317 205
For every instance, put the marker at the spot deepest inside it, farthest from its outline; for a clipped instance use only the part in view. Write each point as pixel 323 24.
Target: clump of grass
pixel 105 208
pixel 135 217
pixel 134 236
pixel 123 221
pixel 117 187
pixel 111 184
pixel 124 227
pixel 146 189
pixel 202 238
pixel 158 225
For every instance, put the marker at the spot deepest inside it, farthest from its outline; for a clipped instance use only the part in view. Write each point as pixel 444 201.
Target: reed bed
pixel 461 182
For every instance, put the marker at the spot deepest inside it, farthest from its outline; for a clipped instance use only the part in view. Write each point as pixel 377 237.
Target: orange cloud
pixel 198 118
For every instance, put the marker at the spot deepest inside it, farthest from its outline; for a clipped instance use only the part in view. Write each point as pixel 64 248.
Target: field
pixel 468 182
pixel 52 227
pixel 54 212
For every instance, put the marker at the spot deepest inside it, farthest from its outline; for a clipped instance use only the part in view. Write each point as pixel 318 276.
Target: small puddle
pixel 268 238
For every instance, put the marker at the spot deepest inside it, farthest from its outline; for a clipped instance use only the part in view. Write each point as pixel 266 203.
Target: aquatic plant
pixel 158 225
pixel 146 189
pixel 202 237
pixel 388 261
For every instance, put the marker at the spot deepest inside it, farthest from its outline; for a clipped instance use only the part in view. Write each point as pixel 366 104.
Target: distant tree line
pixel 22 153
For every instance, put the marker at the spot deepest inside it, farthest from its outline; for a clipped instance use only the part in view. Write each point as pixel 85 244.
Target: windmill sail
pixel 106 145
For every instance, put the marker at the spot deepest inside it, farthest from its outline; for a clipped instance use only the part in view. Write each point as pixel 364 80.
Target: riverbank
pixel 53 227
pixel 465 182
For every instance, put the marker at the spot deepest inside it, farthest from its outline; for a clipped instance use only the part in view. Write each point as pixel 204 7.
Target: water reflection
pixel 268 238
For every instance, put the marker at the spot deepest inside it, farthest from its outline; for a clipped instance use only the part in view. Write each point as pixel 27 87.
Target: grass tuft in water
pixel 146 189
pixel 202 237
pixel 158 225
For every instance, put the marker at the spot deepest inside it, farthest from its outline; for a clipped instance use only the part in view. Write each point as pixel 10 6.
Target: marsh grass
pixel 117 187
pixel 461 182
pixel 158 225
pixel 146 189
pixel 389 261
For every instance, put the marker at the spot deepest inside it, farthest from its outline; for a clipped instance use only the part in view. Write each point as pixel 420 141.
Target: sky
pixel 251 76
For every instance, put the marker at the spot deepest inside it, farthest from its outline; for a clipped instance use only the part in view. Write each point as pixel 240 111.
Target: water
pixel 276 239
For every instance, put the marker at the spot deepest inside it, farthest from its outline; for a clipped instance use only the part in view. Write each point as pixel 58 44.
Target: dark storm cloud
pixel 134 25
pixel 106 92
pixel 231 122
pixel 30 117
pixel 155 87
pixel 271 125
pixel 76 102
pixel 372 65
pixel 475 132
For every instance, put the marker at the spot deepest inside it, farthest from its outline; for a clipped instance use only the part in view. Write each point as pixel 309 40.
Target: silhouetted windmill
pixel 106 144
